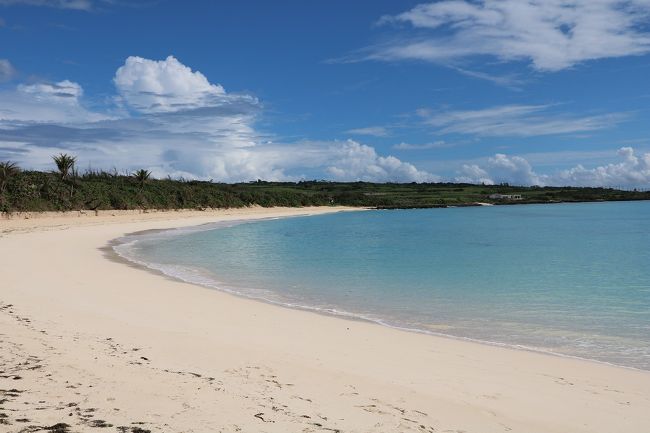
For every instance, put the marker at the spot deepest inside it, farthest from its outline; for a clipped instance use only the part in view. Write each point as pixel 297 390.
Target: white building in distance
pixel 505 196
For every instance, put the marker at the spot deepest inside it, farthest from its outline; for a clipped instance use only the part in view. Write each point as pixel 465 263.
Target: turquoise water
pixel 572 279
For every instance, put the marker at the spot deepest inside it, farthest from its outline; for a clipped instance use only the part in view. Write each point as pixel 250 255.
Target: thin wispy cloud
pixel 510 81
pixel 517 120
pixel 566 158
pixel 422 146
pixel 548 35
pixel 82 5
pixel 375 131
pixel 7 70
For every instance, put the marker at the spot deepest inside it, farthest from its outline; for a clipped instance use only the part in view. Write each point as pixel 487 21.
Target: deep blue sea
pixel 572 279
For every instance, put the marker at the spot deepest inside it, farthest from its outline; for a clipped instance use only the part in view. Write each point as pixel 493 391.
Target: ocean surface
pixel 572 279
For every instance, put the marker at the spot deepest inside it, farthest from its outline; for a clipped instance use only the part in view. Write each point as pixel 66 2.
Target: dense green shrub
pixel 99 190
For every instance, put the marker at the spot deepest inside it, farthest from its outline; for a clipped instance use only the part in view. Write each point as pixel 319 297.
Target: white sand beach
pixel 104 346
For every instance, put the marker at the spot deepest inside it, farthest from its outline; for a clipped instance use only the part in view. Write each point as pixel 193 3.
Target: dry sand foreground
pixel 103 347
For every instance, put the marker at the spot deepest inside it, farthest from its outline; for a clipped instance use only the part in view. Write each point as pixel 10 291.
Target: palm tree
pixel 142 176
pixel 7 170
pixel 65 164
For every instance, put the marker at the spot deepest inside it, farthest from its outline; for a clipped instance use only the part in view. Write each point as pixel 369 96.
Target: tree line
pixel 65 188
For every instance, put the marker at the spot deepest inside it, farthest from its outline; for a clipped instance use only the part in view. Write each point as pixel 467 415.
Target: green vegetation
pixel 142 176
pixel 7 170
pixel 65 165
pixel 66 189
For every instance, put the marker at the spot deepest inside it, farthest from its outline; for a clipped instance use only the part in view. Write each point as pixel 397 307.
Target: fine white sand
pixel 89 341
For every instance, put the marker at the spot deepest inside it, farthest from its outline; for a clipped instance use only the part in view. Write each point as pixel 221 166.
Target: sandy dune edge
pixel 90 342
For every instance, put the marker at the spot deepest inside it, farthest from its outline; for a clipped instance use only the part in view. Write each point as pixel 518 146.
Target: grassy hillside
pixel 48 191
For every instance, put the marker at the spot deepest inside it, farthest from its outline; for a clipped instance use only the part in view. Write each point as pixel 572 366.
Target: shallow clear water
pixel 572 279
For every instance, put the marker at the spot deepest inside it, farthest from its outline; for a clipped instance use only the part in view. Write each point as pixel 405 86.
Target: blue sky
pixel 550 93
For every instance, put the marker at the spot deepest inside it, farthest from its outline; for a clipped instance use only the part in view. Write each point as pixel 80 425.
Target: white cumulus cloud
pixel 46 102
pixel 355 161
pixel 179 124
pixel 153 86
pixel 64 91
pixel 472 173
pixel 631 172
pixel 499 169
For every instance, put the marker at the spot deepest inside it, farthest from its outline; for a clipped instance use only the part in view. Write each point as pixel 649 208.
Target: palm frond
pixel 65 164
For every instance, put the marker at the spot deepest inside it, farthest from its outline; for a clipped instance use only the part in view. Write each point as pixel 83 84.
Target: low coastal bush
pixel 66 189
